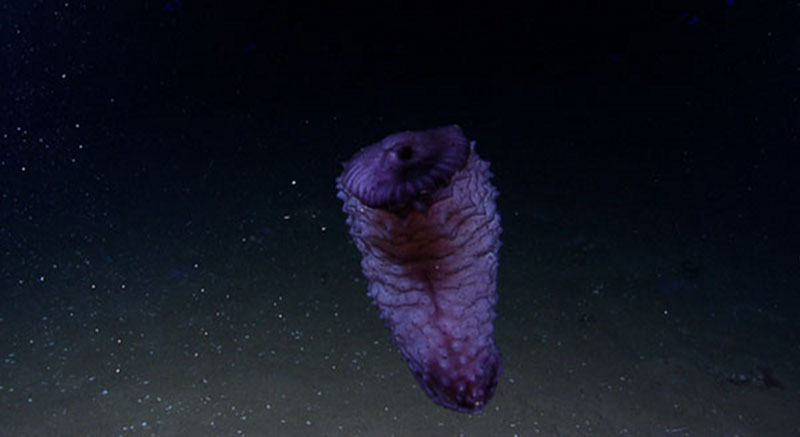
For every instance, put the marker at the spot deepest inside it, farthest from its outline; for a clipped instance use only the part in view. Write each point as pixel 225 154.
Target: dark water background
pixel 173 260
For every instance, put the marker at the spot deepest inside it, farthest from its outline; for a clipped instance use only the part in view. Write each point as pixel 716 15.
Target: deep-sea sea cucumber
pixel 421 211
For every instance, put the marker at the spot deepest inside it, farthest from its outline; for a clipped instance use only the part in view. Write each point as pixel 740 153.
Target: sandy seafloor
pixel 203 297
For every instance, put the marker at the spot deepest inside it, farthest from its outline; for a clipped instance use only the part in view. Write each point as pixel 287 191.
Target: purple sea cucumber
pixel 421 211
